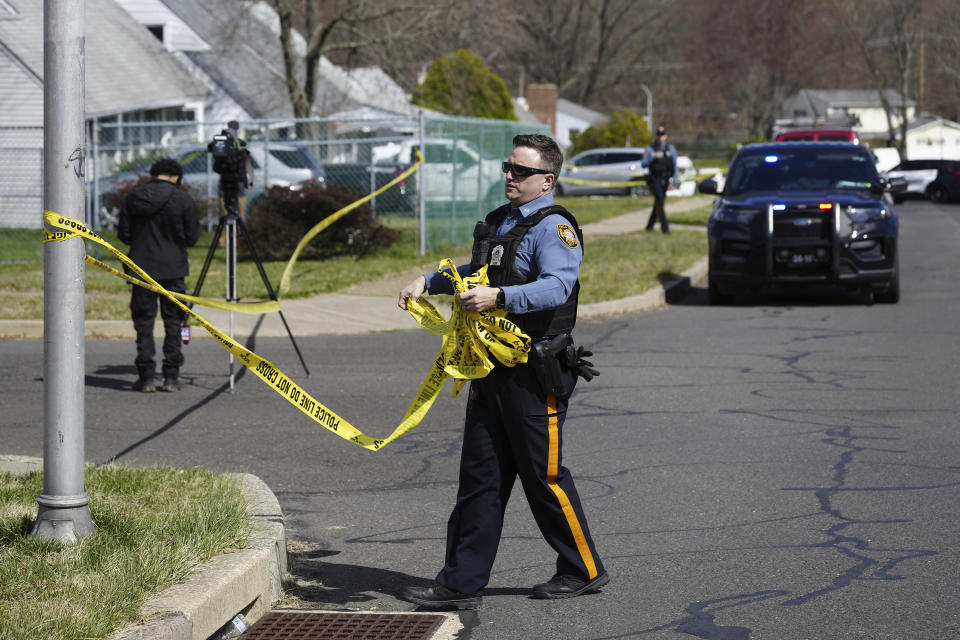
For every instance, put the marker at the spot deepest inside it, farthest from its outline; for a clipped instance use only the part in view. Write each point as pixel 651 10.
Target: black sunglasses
pixel 520 171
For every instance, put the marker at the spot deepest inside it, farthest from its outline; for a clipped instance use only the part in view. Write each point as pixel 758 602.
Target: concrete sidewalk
pixel 372 306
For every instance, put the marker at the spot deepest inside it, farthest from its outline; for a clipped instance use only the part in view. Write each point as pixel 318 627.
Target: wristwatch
pixel 501 299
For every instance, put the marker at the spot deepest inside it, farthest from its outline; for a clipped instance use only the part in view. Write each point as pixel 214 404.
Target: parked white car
pixel 453 169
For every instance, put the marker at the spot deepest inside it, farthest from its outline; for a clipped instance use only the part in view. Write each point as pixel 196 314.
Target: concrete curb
pixel 247 581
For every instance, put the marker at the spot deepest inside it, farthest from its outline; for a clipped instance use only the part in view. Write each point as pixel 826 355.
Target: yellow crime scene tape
pixel 261 306
pixel 469 341
pixel 624 183
pixel 333 217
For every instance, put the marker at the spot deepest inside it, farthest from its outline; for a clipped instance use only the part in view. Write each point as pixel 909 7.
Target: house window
pixel 155 29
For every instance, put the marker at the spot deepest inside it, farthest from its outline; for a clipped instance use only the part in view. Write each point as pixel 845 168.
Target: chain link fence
pixel 461 175
pixel 458 183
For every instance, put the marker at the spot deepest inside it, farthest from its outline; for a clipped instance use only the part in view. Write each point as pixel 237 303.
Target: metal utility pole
pixel 64 506
pixel 649 93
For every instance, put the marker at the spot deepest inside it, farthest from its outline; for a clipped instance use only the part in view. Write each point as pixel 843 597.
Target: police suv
pixel 802 213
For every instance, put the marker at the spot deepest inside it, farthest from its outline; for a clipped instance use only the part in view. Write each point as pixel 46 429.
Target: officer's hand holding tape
pixel 479 298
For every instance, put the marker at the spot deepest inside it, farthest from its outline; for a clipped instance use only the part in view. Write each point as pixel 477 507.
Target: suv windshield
pixel 801 169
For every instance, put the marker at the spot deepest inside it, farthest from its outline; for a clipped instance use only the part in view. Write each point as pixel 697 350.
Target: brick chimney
pixel 542 103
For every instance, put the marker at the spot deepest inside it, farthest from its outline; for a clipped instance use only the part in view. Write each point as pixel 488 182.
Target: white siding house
pixel 860 110
pixel 128 74
pixel 233 48
pixel 933 138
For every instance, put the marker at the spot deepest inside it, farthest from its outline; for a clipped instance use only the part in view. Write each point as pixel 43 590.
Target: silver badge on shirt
pixel 496 255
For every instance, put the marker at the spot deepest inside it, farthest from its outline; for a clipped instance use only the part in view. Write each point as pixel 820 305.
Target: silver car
pixel 282 164
pixel 604 171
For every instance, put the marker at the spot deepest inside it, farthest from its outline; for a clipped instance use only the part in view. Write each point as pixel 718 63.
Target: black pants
pixel 658 187
pixel 513 430
pixel 143 308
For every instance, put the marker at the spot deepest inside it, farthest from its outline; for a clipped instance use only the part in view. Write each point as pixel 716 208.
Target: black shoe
pixel 171 384
pixel 144 385
pixel 561 586
pixel 437 596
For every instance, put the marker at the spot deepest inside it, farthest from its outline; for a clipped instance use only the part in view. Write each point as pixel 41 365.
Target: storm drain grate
pixel 299 625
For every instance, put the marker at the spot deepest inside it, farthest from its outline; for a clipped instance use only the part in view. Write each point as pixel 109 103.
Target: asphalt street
pixel 783 469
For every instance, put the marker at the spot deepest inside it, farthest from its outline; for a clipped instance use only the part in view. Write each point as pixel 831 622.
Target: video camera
pixel 229 160
pixel 229 157
pixel 220 146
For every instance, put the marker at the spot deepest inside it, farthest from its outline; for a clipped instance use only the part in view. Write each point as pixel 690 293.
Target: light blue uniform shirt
pixel 542 254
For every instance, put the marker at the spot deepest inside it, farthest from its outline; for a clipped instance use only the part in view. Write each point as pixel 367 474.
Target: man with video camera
pixel 231 160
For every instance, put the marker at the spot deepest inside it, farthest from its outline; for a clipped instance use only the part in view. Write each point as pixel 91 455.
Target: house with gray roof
pixel 858 109
pixel 233 48
pixel 128 75
pixel 126 70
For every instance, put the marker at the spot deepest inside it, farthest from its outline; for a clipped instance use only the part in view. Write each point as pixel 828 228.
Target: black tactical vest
pixel 499 254
pixel 662 164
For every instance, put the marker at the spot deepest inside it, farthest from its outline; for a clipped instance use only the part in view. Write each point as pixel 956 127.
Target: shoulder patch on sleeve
pixel 568 236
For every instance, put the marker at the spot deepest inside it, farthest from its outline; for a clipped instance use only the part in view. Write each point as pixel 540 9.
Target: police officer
pixel 660 159
pixel 514 420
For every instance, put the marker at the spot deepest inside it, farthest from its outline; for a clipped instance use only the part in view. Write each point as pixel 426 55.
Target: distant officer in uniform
pixel 532 249
pixel 660 159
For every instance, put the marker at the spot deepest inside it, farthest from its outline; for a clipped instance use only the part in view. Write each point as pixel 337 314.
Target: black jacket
pixel 159 221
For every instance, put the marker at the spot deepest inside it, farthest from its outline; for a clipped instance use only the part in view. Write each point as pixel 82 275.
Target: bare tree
pixel 752 54
pixel 453 24
pixel 338 27
pixel 588 48
pixel 891 35
pixel 938 67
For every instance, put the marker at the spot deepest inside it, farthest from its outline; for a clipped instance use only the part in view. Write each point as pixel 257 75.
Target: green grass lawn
pixel 620 266
pixel 154 525
pixel 108 297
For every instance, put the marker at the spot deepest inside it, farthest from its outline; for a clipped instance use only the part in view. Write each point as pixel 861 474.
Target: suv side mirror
pixel 895 184
pixel 708 186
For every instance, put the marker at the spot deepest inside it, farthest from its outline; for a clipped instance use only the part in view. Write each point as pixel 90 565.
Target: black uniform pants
pixel 513 430
pixel 143 308
pixel 658 187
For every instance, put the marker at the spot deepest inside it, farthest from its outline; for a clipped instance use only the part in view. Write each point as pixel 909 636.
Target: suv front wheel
pixel 715 295
pixel 891 294
pixel 937 192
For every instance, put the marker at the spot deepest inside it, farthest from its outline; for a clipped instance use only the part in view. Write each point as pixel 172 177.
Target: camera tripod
pixel 228 224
